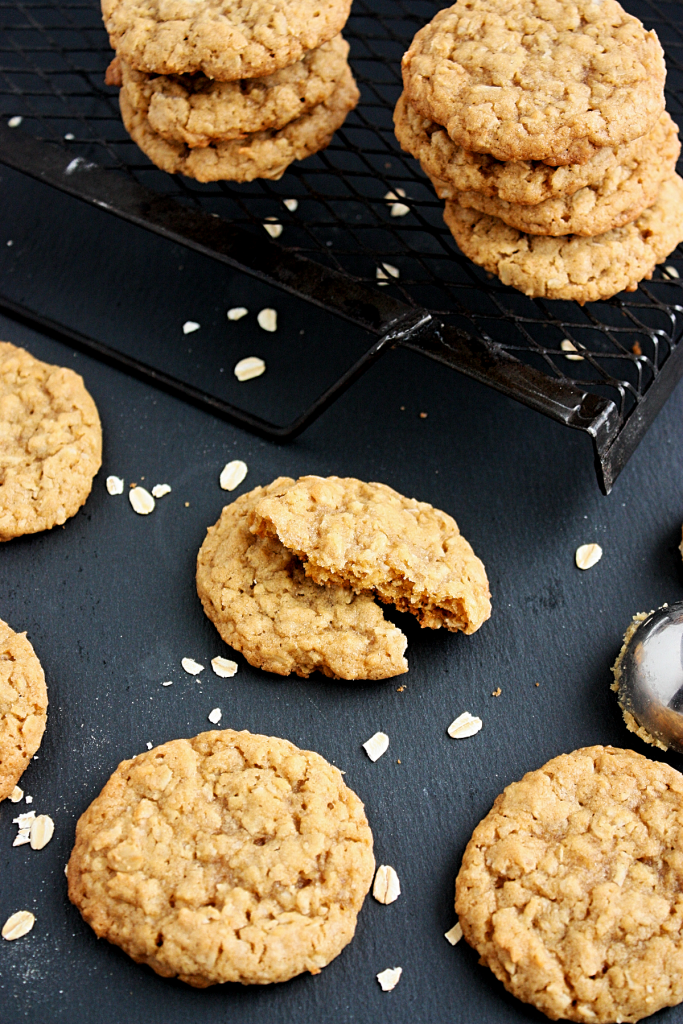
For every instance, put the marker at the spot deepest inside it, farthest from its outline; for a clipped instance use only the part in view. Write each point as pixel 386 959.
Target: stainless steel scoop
pixel 649 675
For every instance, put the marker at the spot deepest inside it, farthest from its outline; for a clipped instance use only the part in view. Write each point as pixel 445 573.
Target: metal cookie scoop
pixel 648 677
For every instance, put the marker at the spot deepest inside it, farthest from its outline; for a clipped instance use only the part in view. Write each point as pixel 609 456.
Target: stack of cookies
pixel 542 125
pixel 230 91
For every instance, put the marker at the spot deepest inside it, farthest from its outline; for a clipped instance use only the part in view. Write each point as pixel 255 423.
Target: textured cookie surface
pixel 225 39
pixel 256 593
pixel 226 857
pixel 625 191
pixel 265 154
pixel 372 538
pixel 537 79
pixel 50 443
pixel 528 182
pixel 197 110
pixel 571 888
pixel 23 706
pixel 572 267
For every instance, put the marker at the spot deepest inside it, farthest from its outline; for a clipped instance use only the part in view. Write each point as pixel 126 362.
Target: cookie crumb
pixel 18 924
pixel 497 692
pixel 114 484
pixel 454 934
pixel 464 725
pixel 423 415
pixel 223 667
pixel 274 229
pixel 16 795
pixel 291 204
pixel 249 367
pixel 569 347
pixel 267 319
pixel 15 121
pixel 215 716
pixel 588 555
pixel 187 504
pixel 232 474
pixel 149 745
pixel 42 830
pixel 141 501
pixel 169 682
pixel 636 349
pixel 190 326
pixel 191 666
pixel 237 312
pixel 29 799
pixel 161 490
pixel 376 745
pixel 389 978
pixel 400 689
pixel 387 887
pixel 537 684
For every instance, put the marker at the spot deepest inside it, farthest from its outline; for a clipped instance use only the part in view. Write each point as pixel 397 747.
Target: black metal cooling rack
pixel 342 238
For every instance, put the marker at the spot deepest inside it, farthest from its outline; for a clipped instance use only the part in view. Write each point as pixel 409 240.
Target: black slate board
pixel 110 605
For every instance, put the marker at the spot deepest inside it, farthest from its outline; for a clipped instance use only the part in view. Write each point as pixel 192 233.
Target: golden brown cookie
pixel 265 154
pixel 371 538
pixel 224 39
pixel 23 706
pixel 50 443
pixel 256 594
pixel 537 79
pixel 573 267
pixel 226 857
pixel 454 169
pixel 625 191
pixel 199 111
pixel 571 888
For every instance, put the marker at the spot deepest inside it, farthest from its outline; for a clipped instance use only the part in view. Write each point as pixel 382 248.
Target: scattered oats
pixel 192 666
pixel 42 830
pixel 10 242
pixel 569 346
pixel 376 745
pixel 454 935
pixel 398 209
pixel 187 504
pixel 16 795
pixel 149 745
pixel 274 229
pixel 169 682
pixel 190 326
pixel 464 725
pixel 18 924
pixel 497 692
pixel 141 500
pixel 291 204
pixel 24 820
pixel 115 485
pixel 387 887
pixel 250 367
pixel 232 474
pixel 223 667
pixel 22 838
pixel 161 490
pixel 672 272
pixel 29 800
pixel 69 136
pixel 237 312
pixel 588 555
pixel 15 121
pixel 66 870
pixel 267 319
pixel 215 716
pixel 386 272
pixel 389 978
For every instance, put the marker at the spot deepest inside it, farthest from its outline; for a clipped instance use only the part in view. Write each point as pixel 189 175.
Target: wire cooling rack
pixel 342 237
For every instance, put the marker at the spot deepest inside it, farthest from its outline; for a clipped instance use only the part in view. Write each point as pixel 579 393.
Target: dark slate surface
pixel 110 605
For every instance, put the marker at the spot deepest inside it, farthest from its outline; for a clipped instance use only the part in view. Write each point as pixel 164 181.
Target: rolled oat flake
pixel 18 924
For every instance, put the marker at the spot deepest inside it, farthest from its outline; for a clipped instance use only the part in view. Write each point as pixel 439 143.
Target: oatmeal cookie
pixel 265 154
pixel 50 443
pixel 226 857
pixel 199 111
pixel 571 888
pixel 537 79
pixel 256 594
pixel 224 39
pixel 572 267
pixel 371 538
pixel 453 169
pixel 23 706
pixel 625 191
